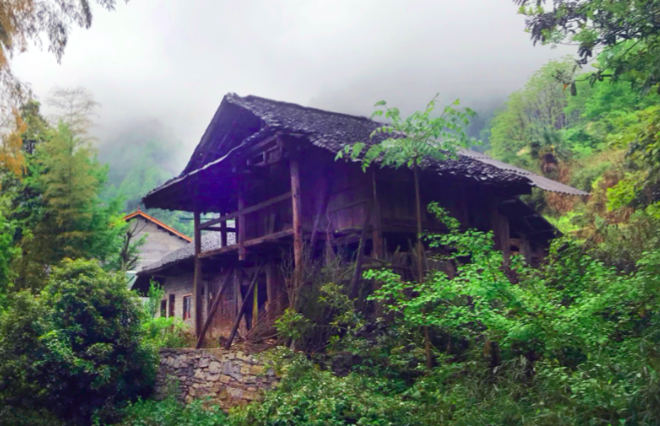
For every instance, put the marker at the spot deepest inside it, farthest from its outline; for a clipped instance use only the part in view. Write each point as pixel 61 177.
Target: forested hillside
pixel 465 335
pixel 599 136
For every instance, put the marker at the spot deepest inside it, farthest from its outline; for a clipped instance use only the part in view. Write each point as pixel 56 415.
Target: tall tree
pixel 72 221
pixel 27 21
pixel 411 142
pixel 628 28
pixel 525 132
pixel 74 106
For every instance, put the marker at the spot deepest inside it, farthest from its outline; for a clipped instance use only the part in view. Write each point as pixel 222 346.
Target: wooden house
pixel 265 180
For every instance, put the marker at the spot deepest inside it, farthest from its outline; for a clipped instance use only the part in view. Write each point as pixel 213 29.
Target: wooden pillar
pixel 255 302
pixel 500 224
pixel 197 278
pixel 223 233
pixel 270 302
pixel 240 235
pixel 377 231
pixel 297 222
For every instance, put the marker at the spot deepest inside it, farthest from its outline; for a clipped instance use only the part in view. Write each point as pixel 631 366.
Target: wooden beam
pixel 297 222
pixel 243 308
pixel 358 260
pixel 214 308
pixel 241 222
pixel 377 232
pixel 323 207
pixel 223 233
pixel 249 243
pixel 247 210
pixel 197 277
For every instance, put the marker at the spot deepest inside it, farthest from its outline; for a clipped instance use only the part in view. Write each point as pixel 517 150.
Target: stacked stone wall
pixel 228 378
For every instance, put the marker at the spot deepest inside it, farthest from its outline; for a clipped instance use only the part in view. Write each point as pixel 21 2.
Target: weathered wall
pixel 229 378
pixel 179 285
pixel 157 243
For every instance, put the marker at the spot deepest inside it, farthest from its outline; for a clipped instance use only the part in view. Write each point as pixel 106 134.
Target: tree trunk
pixel 420 259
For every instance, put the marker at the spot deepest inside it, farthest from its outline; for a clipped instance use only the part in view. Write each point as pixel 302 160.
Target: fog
pixel 168 63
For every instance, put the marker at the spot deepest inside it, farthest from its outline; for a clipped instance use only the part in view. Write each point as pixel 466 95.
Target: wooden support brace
pixel 242 309
pixel 214 308
pixel 358 261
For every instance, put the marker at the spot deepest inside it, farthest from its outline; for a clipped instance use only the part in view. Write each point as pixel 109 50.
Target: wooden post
pixel 240 235
pixel 500 224
pixel 270 302
pixel 297 223
pixel 418 216
pixel 357 272
pixel 323 207
pixel 377 232
pixel 197 277
pixel 223 233
pixel 255 304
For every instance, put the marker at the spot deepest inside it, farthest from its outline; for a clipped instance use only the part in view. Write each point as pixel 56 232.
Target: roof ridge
pixel 233 96
pixel 152 219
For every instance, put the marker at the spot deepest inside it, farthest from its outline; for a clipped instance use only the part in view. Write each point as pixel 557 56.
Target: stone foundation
pixel 229 378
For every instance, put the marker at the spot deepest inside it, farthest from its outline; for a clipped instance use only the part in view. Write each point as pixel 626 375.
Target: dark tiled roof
pixel 210 241
pixel 330 131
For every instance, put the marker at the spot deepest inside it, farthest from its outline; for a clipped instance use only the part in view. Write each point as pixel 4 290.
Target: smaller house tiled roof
pixel 143 215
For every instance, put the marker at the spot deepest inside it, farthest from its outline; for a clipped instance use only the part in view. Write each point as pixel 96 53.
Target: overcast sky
pixel 172 61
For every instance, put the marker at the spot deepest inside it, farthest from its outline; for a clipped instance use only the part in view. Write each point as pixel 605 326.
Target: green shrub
pixel 309 395
pixel 76 349
pixel 170 412
pixel 167 332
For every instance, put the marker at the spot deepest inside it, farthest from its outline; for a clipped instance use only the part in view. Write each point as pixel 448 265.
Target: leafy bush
pixel 77 348
pixel 170 412
pixel 309 395
pixel 163 332
pixel 167 332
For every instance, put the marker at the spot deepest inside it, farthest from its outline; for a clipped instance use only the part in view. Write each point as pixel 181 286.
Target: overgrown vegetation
pixel 74 351
pixel 170 412
pixel 574 341
pixel 483 341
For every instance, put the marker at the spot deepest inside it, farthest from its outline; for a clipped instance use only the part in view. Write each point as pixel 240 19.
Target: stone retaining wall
pixel 229 378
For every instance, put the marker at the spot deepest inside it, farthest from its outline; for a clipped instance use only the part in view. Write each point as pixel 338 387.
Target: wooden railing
pixel 220 224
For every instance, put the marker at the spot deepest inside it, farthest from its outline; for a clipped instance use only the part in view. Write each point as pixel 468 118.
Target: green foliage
pixel 56 207
pixel 627 29
pixel 76 349
pixel 526 129
pixel 170 412
pixel 325 311
pixel 308 395
pixel 154 296
pixel 582 338
pixel 75 221
pixel 8 252
pixel 292 325
pixel 409 141
pixel 167 332
pixel 573 342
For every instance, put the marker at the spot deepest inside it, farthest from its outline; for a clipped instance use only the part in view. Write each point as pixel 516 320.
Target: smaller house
pixel 159 238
